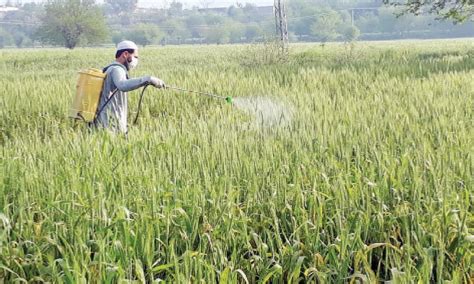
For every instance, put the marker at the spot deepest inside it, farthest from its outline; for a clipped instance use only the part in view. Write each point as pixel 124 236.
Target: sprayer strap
pixel 113 93
pixel 105 104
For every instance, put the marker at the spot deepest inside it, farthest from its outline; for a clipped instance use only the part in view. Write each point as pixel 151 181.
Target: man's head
pixel 127 54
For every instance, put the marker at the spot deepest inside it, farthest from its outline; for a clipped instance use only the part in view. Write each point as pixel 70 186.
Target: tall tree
pixel 121 7
pixel 175 9
pixel 456 10
pixel 28 14
pixel 145 34
pixel 252 32
pixel 326 25
pixel 70 22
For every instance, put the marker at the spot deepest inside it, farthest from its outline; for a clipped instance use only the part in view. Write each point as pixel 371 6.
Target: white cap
pixel 126 44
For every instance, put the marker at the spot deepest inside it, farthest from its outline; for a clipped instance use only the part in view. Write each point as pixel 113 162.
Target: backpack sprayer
pixel 89 89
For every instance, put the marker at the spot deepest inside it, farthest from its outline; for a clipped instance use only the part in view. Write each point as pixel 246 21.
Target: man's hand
pixel 157 83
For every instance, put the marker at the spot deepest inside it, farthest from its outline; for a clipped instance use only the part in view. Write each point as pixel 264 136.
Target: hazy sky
pixel 211 3
pixel 163 3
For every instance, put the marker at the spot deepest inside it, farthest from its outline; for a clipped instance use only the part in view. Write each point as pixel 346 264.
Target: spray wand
pixel 227 99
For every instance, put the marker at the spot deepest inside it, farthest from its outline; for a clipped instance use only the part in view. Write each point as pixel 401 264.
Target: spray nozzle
pixel 229 100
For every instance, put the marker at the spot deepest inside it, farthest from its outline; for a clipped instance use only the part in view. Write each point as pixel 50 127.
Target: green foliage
pixel 122 7
pixel 236 33
pixel 326 25
pixel 321 22
pixel 219 34
pixel 175 30
pixel 23 34
pixel 350 33
pixel 309 20
pixel 455 10
pixel 304 12
pixel 5 38
pixel 252 32
pixel 175 9
pixel 386 22
pixel 118 37
pixel 235 12
pixel 145 34
pixel 196 25
pixel 370 181
pixel 72 22
pixel 19 39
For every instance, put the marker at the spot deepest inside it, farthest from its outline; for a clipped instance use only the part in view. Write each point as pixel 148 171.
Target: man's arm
pixel 119 77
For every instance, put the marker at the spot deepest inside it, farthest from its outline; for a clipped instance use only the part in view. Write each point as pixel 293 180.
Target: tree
pixel 325 27
pixel 218 34
pixel 118 37
pixel 252 32
pixel 19 39
pixel 234 12
pixel 236 32
pixel 28 14
pixel 121 7
pixel 217 29
pixel 70 22
pixel 456 10
pixel 249 7
pixel 145 34
pixel 175 30
pixel 369 23
pixel 304 14
pixel 196 24
pixel 250 12
pixel 5 38
pixel 350 33
pixel 175 9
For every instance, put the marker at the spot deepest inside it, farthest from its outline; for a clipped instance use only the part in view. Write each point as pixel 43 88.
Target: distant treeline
pixel 308 20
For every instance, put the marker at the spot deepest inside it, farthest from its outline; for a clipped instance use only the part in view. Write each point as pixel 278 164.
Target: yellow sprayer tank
pixel 88 90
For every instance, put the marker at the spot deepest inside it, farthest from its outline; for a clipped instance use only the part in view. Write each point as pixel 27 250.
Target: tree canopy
pixel 121 7
pixel 456 10
pixel 83 22
pixel 70 22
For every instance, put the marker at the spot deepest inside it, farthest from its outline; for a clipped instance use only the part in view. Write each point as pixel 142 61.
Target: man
pixel 112 111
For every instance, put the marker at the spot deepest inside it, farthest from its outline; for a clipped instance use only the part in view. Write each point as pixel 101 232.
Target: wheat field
pixel 341 164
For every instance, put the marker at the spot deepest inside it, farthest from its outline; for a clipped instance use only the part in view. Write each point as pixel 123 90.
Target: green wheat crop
pixel 371 180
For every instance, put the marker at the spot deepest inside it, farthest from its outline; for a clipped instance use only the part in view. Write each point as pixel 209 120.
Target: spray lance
pixel 228 99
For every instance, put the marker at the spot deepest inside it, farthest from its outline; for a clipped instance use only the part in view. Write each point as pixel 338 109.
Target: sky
pixel 163 3
pixel 211 3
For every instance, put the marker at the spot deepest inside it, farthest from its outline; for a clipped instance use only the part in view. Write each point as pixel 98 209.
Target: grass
pixel 371 181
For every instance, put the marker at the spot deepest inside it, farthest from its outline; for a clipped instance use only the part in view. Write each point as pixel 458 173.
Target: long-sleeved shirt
pixel 114 114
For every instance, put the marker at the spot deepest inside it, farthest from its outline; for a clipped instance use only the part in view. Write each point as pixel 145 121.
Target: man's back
pixel 114 114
